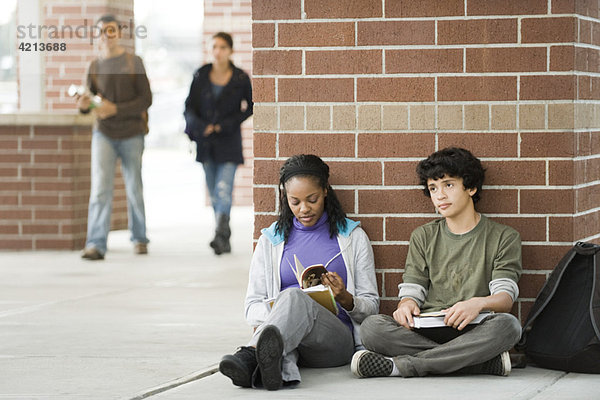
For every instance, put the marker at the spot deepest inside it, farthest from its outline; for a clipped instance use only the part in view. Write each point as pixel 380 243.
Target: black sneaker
pixel 367 364
pixel 499 365
pixel 240 366
pixel 269 352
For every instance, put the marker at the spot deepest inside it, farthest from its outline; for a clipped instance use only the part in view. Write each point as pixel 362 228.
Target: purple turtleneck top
pixel 313 245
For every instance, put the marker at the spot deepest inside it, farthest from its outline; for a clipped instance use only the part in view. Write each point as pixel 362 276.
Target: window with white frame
pixel 8 56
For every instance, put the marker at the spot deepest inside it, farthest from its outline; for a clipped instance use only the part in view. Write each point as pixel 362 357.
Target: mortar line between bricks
pixel 194 376
pixel 458 18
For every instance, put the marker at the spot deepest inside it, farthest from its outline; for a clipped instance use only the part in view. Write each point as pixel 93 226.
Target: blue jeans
pixel 105 152
pixel 219 180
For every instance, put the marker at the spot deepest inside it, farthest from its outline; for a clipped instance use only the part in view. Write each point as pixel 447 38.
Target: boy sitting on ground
pixel 461 265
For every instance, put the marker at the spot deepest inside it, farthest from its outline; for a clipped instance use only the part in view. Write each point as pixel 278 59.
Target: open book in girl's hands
pixel 309 276
pixel 309 280
pixel 321 294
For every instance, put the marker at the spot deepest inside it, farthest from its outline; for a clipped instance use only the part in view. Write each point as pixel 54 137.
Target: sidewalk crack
pixel 543 388
pixel 194 376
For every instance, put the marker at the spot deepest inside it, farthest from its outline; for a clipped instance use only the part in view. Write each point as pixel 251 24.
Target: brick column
pixel 374 86
pixel 234 17
pixel 44 181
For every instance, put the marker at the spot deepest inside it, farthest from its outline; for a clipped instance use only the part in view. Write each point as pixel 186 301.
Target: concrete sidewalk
pixel 74 329
pixel 142 326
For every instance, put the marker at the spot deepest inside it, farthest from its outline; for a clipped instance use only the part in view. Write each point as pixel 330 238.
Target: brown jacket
pixel 123 81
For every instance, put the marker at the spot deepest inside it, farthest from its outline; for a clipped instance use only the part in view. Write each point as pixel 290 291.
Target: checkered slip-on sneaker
pixel 366 364
pixel 499 365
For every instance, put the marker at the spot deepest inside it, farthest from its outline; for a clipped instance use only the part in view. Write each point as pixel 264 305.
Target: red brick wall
pixel 234 17
pixel 45 181
pixel 374 86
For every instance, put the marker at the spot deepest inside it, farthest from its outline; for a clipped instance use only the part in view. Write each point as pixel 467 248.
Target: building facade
pixel 375 86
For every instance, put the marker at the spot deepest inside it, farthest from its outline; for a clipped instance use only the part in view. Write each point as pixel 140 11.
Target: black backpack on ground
pixel 562 330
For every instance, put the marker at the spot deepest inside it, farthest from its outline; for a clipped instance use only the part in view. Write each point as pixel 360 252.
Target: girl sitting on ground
pixel 297 330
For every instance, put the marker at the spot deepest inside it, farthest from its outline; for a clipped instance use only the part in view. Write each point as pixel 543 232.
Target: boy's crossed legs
pixel 414 354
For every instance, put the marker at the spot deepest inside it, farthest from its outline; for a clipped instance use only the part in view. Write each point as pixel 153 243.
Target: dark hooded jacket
pixel 228 110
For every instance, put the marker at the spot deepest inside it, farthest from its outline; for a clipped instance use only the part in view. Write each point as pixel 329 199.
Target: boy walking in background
pixel 119 78
pixel 461 264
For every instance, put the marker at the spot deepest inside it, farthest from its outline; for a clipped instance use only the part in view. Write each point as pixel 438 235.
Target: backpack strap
pixel 595 297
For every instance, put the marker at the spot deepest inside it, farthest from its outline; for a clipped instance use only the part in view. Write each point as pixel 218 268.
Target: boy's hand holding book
pixel 462 313
pixel 106 109
pixel 458 316
pixel 83 102
pixel 405 311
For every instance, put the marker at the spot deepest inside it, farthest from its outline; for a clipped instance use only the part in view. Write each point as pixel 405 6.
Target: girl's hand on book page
pixel 462 313
pixel 405 311
pixel 342 296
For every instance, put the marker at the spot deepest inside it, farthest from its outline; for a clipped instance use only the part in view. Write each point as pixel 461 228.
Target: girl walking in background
pixel 220 99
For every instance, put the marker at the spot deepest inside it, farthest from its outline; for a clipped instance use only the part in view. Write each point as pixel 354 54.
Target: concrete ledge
pixel 45 180
pixel 46 119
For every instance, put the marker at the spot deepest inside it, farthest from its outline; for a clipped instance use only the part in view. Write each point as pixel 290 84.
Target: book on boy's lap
pixel 436 319
pixel 309 280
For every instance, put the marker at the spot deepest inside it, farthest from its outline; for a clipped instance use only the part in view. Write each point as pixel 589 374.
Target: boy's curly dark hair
pixel 454 162
pixel 308 165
